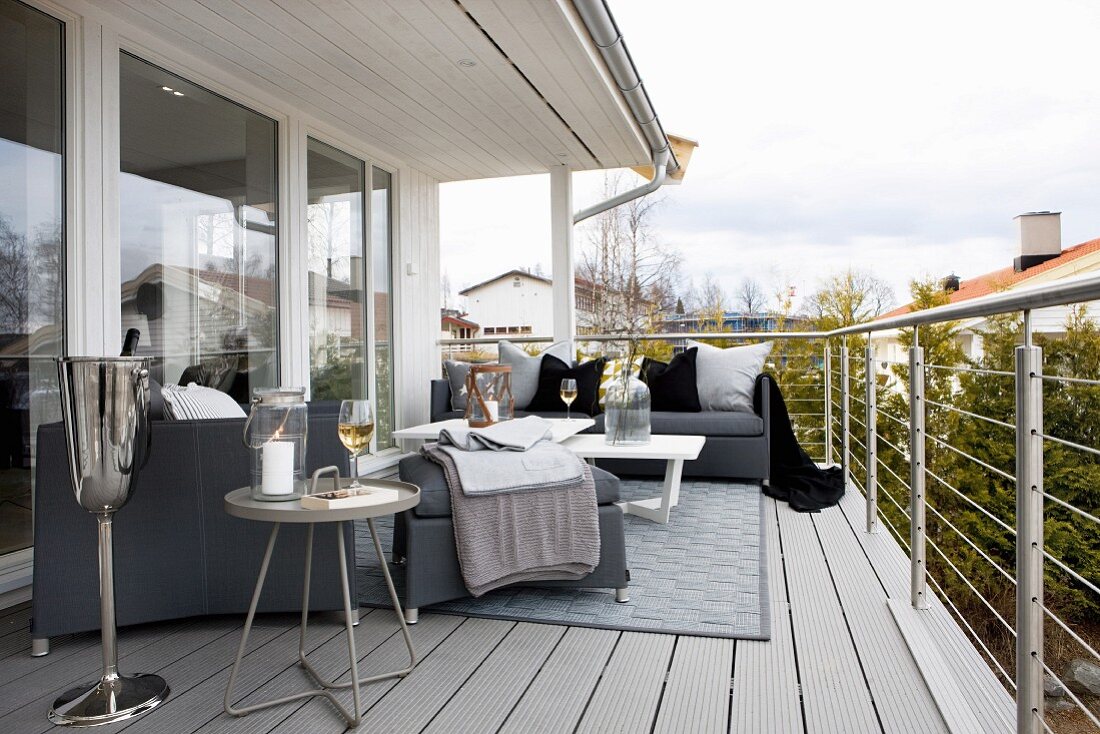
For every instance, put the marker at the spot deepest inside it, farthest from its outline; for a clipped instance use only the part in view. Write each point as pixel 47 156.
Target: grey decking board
pixel 413 702
pixel 41 676
pixel 557 697
pixel 331 661
pixel 208 673
pixel 318 715
pixel 903 700
pixel 765 695
pixel 15 642
pixel 993 705
pixel 777 587
pixel 17 667
pixel 835 696
pixel 485 701
pixel 697 694
pixel 627 696
pixel 151 658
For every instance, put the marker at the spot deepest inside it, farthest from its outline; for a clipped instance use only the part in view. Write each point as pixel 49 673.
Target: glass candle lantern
pixel 275 434
pixel 489 395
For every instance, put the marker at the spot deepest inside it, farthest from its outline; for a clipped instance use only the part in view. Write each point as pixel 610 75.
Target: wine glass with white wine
pixel 568 395
pixel 356 428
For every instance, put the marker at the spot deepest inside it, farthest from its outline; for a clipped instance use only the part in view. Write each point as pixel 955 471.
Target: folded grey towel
pixel 546 465
pixel 515 435
pixel 509 538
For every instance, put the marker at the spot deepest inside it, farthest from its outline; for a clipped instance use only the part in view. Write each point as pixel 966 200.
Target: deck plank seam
pixel 531 682
pixel 465 680
pixel 790 616
pixel 664 686
pixel 599 680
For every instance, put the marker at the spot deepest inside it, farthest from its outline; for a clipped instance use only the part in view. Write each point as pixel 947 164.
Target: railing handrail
pixel 1062 292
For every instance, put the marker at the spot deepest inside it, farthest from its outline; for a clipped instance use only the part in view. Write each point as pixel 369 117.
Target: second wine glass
pixel 356 429
pixel 568 395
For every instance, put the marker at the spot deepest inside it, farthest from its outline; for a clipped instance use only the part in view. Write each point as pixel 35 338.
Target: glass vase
pixel 626 405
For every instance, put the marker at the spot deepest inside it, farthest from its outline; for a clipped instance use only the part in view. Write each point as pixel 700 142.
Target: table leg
pixel 657 509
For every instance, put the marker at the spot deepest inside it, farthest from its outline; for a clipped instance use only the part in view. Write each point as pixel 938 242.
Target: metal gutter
pixel 598 21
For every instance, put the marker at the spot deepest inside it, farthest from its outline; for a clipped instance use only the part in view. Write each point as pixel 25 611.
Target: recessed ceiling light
pixel 467 63
pixel 168 89
pixel 178 94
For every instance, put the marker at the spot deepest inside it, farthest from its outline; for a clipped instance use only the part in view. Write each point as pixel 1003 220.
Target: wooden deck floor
pixel 836 663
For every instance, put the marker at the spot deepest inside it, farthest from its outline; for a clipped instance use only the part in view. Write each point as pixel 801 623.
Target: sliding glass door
pixel 198 210
pixel 32 253
pixel 382 275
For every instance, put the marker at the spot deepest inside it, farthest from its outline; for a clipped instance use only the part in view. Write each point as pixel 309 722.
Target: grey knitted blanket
pixel 512 537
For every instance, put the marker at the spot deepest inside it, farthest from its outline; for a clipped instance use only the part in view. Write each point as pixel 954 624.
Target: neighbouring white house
pixel 515 303
pixel 1041 259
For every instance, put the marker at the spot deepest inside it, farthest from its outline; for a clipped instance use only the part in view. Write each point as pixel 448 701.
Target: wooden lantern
pixel 489 395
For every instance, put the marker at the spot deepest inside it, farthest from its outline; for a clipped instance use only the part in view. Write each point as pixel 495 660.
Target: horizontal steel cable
pixel 897 535
pixel 1068 506
pixel 860 463
pixel 1080 640
pixel 1071 380
pixel 968 541
pixel 1068 692
pixel 895 419
pixel 970 585
pixel 858 442
pixel 959 614
pixel 1076 576
pixel 852 417
pixel 975 370
pixel 976 506
pixel 891 444
pixel 987 419
pixel 1042 722
pixel 894 474
pixel 975 459
pixel 1065 442
pixel 891 498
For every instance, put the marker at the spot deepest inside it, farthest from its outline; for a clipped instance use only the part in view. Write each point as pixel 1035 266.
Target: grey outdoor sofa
pixel 177 553
pixel 737 446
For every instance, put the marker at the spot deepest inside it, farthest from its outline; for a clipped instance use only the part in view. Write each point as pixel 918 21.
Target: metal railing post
pixel 845 424
pixel 870 399
pixel 1029 535
pixel 828 405
pixel 918 580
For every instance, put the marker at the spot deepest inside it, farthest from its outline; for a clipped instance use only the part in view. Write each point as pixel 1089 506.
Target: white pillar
pixel 561 243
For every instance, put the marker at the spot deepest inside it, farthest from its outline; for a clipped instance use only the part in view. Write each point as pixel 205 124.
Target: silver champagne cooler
pixel 105 407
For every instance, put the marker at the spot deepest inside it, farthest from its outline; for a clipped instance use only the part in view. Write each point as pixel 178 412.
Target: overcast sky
pixel 900 139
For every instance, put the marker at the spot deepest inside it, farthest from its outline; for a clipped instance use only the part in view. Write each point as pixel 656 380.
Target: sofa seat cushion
pixel 712 423
pixel 435 499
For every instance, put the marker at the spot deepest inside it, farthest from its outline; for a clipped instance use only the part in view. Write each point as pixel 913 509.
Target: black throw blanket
pixel 795 478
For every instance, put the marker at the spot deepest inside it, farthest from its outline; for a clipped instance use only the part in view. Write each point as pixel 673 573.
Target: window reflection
pixel 382 269
pixel 198 231
pixel 337 326
pixel 31 251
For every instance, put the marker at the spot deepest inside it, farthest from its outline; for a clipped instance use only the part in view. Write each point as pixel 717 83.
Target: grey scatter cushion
pixel 456 375
pixel 525 368
pixel 725 377
pixel 196 402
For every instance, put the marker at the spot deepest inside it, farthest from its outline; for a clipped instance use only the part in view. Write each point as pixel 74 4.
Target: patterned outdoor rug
pixel 702 574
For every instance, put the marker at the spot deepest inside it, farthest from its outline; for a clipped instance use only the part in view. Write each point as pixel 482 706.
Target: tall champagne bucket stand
pixel 105 406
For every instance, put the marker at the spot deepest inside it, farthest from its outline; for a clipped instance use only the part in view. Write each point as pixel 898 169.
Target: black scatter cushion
pixel 672 386
pixel 553 371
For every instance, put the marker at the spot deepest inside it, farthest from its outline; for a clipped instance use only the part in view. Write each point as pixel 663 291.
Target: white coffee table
pixel 560 427
pixel 674 450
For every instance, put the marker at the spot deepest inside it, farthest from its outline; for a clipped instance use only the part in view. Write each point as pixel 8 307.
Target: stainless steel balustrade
pixel 840 385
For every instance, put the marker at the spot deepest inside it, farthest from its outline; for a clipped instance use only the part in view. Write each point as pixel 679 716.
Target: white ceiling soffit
pixel 475 89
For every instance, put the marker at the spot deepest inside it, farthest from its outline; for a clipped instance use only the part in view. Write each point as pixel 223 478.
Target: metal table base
pixel 326 687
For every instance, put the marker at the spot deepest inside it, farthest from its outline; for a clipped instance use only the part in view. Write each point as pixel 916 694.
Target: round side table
pixel 239 503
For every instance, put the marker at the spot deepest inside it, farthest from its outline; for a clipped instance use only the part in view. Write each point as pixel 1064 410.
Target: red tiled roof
pixel 1005 278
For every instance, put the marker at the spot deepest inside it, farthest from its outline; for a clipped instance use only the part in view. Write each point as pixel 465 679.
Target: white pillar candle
pixel 494 410
pixel 278 468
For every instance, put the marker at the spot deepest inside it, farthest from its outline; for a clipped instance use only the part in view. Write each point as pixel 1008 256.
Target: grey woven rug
pixel 702 574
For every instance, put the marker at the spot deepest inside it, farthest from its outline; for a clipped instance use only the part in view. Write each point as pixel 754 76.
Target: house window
pixel 32 251
pixel 335 251
pixel 198 228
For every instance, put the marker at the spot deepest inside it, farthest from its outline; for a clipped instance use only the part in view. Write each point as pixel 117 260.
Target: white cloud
pixel 897 138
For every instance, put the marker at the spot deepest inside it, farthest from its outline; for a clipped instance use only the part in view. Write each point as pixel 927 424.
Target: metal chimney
pixel 1040 238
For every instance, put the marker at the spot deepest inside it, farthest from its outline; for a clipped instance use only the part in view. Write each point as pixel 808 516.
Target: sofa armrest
pixel 440 399
pixel 766 415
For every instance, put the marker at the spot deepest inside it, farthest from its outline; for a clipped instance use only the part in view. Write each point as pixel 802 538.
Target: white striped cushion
pixel 196 402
